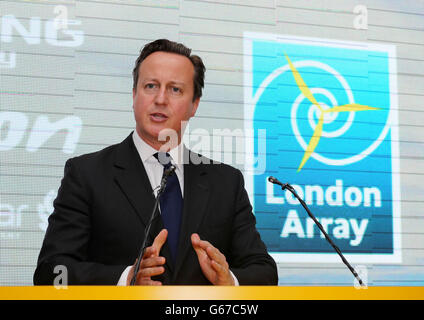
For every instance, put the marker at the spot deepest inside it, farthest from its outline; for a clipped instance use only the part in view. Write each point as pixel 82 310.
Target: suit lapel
pixel 132 179
pixel 196 196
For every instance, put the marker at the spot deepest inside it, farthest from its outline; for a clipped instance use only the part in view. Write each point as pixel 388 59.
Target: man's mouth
pixel 158 117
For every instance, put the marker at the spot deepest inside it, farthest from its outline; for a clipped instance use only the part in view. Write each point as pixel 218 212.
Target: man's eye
pixel 176 90
pixel 150 86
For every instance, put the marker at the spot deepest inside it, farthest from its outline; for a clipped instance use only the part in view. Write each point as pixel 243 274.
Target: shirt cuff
pixel 236 283
pixel 123 279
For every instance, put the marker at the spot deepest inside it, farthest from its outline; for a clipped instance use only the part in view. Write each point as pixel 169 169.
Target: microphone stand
pixel 165 176
pixel 293 191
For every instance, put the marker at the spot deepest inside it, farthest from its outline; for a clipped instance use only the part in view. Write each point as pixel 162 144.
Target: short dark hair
pixel 178 48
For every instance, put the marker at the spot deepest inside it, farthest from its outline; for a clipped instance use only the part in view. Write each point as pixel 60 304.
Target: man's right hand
pixel 151 264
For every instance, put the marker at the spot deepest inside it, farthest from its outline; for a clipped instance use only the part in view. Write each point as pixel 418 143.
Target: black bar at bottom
pixel 210 309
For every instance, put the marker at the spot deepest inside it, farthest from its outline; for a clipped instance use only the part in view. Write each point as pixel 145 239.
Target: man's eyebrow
pixel 156 80
pixel 177 82
pixel 149 79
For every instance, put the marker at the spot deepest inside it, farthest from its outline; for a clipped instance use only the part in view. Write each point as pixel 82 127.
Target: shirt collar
pixel 146 151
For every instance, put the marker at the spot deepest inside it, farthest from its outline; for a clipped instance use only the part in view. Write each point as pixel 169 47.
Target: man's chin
pixel 159 136
pixel 169 137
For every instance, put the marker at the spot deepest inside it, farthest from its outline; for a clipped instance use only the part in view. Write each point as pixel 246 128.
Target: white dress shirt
pixel 154 172
pixel 153 168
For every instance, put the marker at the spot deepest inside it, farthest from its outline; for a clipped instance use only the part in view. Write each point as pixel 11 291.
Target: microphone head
pixel 170 170
pixel 272 179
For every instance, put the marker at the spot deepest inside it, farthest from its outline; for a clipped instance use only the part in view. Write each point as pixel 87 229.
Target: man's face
pixel 164 95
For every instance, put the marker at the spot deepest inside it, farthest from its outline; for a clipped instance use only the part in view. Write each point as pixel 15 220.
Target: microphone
pixel 275 181
pixel 327 237
pixel 166 173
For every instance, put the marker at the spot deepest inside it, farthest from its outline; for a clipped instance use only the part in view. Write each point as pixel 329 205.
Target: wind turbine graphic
pixel 318 129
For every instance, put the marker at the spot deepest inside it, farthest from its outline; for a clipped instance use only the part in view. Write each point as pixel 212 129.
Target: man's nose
pixel 161 96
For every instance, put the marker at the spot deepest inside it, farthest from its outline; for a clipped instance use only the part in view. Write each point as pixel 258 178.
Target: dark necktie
pixel 171 205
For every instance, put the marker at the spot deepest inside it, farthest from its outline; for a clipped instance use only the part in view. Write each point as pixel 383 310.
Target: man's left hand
pixel 212 262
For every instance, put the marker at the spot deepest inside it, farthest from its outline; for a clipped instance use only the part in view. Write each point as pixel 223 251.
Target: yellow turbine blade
pixel 302 85
pixel 350 107
pixel 313 142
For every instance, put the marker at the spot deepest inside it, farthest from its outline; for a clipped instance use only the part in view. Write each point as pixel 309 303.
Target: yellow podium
pixel 210 293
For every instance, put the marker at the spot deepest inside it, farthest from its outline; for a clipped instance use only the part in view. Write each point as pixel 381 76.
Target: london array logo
pixel 329 109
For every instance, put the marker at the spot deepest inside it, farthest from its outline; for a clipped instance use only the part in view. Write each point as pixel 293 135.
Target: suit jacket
pixel 105 201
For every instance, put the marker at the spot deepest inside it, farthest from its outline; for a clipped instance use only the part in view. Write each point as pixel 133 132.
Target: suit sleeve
pixel 249 261
pixel 67 238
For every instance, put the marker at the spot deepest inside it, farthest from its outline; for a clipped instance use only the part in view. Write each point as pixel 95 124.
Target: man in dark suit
pixel 106 198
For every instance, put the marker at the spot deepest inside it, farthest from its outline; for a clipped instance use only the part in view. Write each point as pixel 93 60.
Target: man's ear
pixel 195 105
pixel 134 93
